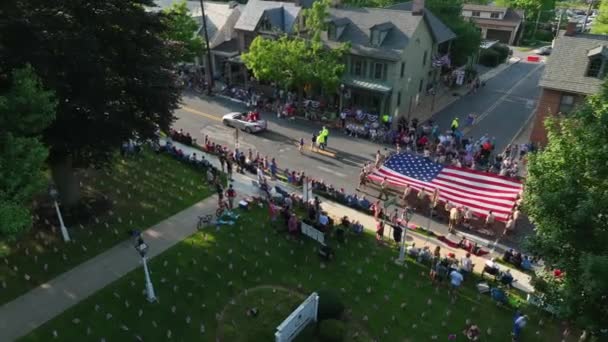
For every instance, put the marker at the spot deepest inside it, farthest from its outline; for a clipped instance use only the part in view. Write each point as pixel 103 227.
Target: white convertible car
pixel 237 120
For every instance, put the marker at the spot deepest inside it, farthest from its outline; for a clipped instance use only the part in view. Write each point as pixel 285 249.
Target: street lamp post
pixel 341 99
pixel 142 249
pixel 209 69
pixel 408 216
pixel 64 231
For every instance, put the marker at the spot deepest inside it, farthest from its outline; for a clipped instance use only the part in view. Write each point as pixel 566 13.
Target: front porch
pixel 371 97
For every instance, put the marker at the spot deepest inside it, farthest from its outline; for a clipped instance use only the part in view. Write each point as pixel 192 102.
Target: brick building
pixel 575 69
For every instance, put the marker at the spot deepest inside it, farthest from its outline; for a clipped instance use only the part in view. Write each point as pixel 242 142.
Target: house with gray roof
pixel 269 19
pixel 392 60
pixel 221 20
pixel 576 68
pixel 496 23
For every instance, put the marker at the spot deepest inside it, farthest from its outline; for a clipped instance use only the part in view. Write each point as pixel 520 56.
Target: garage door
pixel 501 36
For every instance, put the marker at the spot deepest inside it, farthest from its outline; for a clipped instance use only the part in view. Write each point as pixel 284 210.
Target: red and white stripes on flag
pixel 480 191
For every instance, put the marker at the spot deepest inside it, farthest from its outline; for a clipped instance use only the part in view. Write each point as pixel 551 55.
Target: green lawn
pixel 140 191
pixel 206 283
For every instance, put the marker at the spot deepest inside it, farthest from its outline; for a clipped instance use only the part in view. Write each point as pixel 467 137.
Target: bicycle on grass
pixel 203 221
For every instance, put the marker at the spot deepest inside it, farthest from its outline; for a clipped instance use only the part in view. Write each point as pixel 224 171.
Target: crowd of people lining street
pixel 443 268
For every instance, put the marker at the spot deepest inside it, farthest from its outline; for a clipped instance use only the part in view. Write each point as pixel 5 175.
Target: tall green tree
pixel 468 36
pixel 531 7
pixel 182 29
pixel 478 2
pixel 600 25
pixel 566 197
pixel 284 60
pixel 294 62
pixel 26 109
pixel 110 68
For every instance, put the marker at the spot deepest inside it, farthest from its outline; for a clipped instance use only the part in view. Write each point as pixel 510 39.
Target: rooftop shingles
pixel 567 66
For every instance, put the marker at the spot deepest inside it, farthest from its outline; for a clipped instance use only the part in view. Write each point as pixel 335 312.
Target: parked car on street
pixel 544 51
pixel 239 120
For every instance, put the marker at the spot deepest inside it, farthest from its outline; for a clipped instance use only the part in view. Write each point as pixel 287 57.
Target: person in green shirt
pixel 454 125
pixel 321 140
pixel 325 134
pixel 386 120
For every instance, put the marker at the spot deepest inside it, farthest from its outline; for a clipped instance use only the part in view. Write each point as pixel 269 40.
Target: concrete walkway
pixel 26 313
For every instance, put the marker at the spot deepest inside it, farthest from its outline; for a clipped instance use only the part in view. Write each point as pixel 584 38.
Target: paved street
pixel 503 106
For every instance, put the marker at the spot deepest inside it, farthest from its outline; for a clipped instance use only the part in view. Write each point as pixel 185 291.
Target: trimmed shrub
pixel 503 52
pixel 330 305
pixel 331 330
pixel 489 58
pixel 544 35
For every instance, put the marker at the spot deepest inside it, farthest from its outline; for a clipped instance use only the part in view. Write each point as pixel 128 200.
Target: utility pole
pixel 587 15
pixel 537 22
pixel 209 67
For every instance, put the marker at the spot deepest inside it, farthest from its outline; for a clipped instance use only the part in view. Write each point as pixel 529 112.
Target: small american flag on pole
pixel 480 191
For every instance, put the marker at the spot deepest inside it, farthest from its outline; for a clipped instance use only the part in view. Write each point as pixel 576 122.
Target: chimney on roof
pixel 571 28
pixel 417 7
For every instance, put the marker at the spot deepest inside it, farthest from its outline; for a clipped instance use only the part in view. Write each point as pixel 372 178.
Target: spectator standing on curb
pixel 231 195
pixel 219 190
pixel 210 176
pixel 519 324
pixel 273 169
pixel 456 279
pixel 466 265
pixel 380 231
pixel 222 159
pixel 229 169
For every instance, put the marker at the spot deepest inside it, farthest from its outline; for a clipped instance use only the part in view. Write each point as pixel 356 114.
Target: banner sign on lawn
pixel 298 320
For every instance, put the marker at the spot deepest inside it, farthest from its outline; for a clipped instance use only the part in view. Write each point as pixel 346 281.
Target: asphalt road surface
pixel 503 106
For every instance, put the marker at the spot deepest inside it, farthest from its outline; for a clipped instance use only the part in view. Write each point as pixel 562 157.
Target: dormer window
pixel 495 15
pixel 475 14
pixel 597 62
pixel 331 32
pixel 595 68
pixel 375 38
pixel 265 25
pixel 378 33
pixel 335 28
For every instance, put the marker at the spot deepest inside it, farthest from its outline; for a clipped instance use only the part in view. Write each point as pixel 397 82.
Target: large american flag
pixel 480 191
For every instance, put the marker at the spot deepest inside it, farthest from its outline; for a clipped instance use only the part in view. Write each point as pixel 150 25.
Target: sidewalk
pixel 26 313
